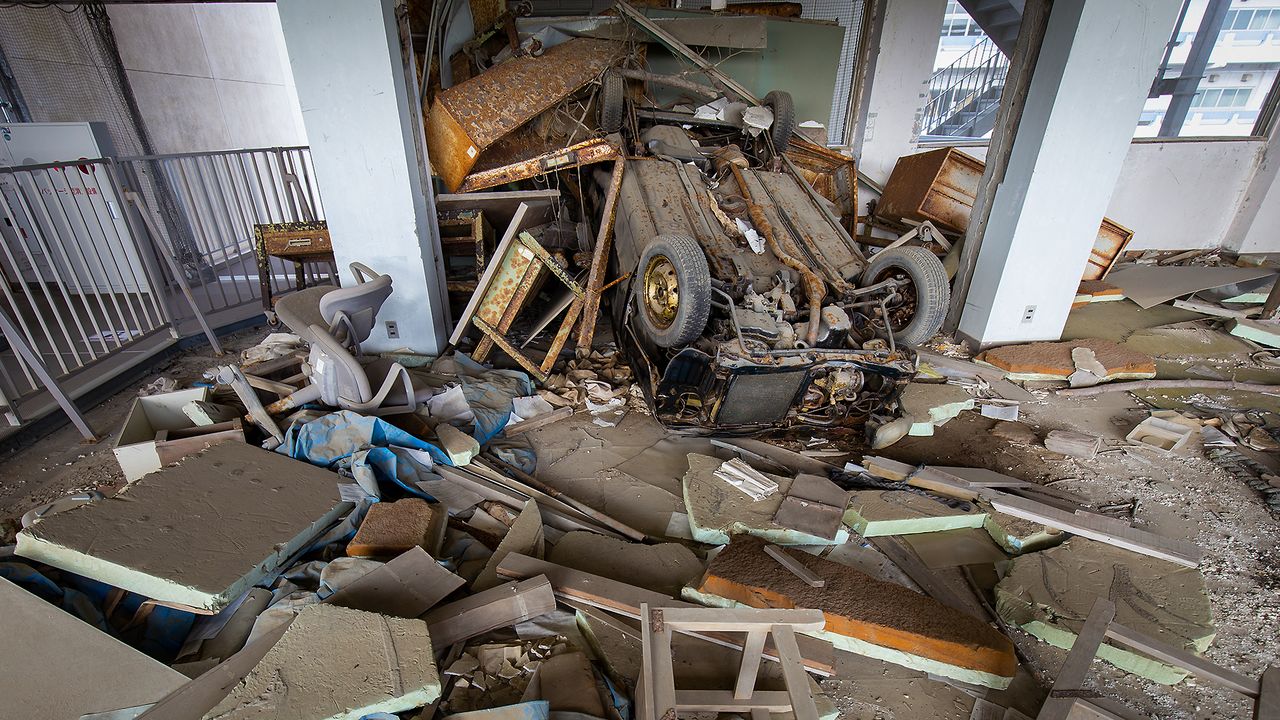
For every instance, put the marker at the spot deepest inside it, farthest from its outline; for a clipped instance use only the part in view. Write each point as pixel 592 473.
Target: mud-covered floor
pixel 632 471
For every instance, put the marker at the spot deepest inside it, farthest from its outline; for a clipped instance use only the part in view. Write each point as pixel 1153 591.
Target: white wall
pixel 900 84
pixel 1182 195
pixel 211 76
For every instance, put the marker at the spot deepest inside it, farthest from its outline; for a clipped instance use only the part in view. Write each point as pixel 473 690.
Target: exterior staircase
pixel 965 95
pixel 999 19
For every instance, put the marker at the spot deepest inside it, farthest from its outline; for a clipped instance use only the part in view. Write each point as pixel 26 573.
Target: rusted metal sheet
pixel 600 257
pixel 584 153
pixel 1113 238
pixel 939 186
pixel 471 116
pixel 833 175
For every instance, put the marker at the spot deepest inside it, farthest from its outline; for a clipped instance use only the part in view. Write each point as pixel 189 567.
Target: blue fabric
pixel 161 635
pixel 361 444
pixel 489 393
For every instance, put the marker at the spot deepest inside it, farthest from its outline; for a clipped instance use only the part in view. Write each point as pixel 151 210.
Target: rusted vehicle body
pixel 749 307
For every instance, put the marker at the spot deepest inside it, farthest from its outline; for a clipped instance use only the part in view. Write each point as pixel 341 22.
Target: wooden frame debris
pixel 656 695
pixel 1064 701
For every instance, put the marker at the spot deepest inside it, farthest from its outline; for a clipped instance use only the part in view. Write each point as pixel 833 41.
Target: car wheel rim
pixel 661 291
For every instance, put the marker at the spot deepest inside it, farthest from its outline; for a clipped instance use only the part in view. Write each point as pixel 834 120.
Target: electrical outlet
pixel 1028 314
pixel 393 330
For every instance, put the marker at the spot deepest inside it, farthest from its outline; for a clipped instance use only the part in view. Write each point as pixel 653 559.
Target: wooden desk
pixel 298 242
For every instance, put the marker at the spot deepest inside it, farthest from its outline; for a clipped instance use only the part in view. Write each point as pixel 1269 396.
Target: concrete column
pixel 365 135
pixel 1253 230
pixel 1091 80
pixel 899 84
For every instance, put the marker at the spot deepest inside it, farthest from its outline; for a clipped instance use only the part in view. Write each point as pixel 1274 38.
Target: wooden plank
pixel 1197 665
pixel 659 671
pixel 496 607
pixel 1076 668
pixel 1268 705
pixel 625 600
pixel 537 421
pixel 600 258
pixel 906 559
pixel 793 565
pixel 740 619
pixel 749 670
pixel 718 701
pixel 802 705
pixel 1094 527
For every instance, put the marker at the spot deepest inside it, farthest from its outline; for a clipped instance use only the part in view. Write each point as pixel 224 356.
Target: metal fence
pixel 103 256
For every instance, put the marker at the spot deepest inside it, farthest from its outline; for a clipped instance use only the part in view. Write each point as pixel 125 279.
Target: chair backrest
pixel 358 305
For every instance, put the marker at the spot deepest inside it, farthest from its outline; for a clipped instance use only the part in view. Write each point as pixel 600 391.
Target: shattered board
pixel 198 534
pixel 1049 595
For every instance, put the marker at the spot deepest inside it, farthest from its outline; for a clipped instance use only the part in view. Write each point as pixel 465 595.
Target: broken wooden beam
pixel 537 421
pixel 497 607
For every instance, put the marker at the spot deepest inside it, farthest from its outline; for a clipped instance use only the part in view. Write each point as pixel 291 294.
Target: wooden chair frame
pixel 657 697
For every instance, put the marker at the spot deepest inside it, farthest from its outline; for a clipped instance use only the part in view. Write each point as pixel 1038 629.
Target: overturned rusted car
pixel 748 304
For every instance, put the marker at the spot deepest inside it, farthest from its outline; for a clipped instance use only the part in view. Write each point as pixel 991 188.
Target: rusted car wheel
pixel 919 314
pixel 613 102
pixel 672 289
pixel 784 118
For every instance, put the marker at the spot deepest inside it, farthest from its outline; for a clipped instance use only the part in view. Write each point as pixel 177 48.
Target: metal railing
pixel 977 75
pixel 103 256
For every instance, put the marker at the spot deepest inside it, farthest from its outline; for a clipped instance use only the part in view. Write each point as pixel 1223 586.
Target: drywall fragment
pixel 933 404
pixel 1049 593
pixel 335 663
pixel 874 513
pixel 390 529
pixel 496 607
pixel 525 537
pixel 864 615
pixel 1066 442
pixel 717 510
pixel 459 446
pixel 1259 331
pixel 408 586
pixel 198 534
pixel 58 666
pixel 202 412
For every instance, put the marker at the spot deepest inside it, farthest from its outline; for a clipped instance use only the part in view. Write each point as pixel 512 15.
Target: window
pixel 1245 55
pixel 1222 98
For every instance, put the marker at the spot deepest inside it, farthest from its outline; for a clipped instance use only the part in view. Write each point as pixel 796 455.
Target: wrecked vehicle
pixel 748 305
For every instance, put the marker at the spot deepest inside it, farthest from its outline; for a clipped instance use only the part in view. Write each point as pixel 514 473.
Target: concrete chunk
pixel 1049 593
pixel 864 615
pixel 459 446
pixel 335 663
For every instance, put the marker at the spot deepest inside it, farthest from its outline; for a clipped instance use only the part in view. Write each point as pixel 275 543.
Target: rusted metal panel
pixel 600 257
pixel 832 174
pixel 829 252
pixel 939 186
pixel 1113 238
pixel 471 116
pixel 516 268
pixel 584 153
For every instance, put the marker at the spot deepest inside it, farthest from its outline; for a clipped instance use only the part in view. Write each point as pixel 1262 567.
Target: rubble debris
pixel 813 505
pixel 623 599
pixel 525 536
pixel 746 478
pixel 664 567
pixel 499 606
pixel 1053 360
pixel 407 586
pixel 459 446
pixel 1170 384
pixel 1074 444
pixel 930 405
pixel 1250 473
pixel 198 536
pixel 568 684
pixel 864 615
pixel 1149 286
pixel 66 668
pixel 392 528
pixel 338 664
pixel 717 510
pixel 1046 594
pixel 139 451
pixel 1262 332
pixel 874 513
pixel 1165 430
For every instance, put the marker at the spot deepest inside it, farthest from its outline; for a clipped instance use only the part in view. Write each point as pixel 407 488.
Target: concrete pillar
pixel 365 135
pixel 1253 228
pixel 898 89
pixel 1091 80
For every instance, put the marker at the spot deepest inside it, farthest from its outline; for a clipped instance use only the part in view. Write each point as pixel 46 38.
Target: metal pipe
pixel 815 289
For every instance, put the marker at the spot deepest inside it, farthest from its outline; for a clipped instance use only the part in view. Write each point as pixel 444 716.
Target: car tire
pixel 672 290
pixel 931 287
pixel 784 118
pixel 613 102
